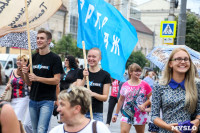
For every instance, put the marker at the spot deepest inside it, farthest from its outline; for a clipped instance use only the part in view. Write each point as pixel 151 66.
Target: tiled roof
pixel 139 26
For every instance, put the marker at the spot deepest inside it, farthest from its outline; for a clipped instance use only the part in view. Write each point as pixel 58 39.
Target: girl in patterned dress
pixel 177 94
pixel 134 96
pixel 20 90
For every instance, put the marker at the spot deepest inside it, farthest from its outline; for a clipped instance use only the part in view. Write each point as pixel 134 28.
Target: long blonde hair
pixel 190 86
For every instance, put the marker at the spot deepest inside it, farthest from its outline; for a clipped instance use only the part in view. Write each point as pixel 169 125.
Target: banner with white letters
pixel 13 16
pixel 101 25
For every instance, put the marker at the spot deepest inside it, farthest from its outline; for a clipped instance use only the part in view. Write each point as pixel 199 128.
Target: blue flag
pixel 101 25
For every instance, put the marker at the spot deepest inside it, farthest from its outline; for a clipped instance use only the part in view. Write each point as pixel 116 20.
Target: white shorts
pixel 20 105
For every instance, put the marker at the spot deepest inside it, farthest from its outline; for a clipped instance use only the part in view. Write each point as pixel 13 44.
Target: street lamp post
pixel 182 24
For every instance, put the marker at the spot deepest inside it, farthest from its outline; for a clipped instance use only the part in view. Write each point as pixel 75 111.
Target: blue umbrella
pixel 160 54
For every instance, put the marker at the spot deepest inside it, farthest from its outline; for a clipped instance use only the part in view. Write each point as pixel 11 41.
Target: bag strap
pixel 94 127
pixel 12 74
pixel 132 102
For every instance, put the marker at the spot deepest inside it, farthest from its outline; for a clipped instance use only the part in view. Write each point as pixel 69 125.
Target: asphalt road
pixel 114 127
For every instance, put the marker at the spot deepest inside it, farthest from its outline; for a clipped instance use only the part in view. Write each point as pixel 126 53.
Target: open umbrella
pixel 13 14
pixel 160 54
pixel 20 40
pixel 22 15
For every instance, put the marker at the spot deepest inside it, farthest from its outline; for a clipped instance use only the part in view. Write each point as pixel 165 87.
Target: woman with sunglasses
pixel 177 94
pixel 70 72
pixel 134 96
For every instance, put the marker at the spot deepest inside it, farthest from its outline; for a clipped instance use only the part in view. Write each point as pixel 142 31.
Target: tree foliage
pixel 137 57
pixel 67 45
pixel 192 31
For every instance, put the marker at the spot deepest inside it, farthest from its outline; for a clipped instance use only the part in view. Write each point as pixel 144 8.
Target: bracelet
pixel 116 114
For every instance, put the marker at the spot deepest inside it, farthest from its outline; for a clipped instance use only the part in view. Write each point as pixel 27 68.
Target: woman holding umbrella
pixel 177 94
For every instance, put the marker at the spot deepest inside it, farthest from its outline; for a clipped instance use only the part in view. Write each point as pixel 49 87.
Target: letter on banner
pixel 106 39
pixel 82 3
pixel 98 15
pixel 89 12
pixel 104 21
pixel 115 45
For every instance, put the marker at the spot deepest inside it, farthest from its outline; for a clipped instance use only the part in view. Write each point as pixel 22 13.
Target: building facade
pixel 65 21
pixel 152 13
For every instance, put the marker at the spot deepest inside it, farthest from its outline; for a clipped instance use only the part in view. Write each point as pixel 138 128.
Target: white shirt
pixel 101 128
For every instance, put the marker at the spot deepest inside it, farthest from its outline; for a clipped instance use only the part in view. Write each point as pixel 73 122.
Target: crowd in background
pixel 165 104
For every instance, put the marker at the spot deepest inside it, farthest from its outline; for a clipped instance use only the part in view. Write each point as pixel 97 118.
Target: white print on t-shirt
pixel 94 84
pixel 39 66
pixel 115 89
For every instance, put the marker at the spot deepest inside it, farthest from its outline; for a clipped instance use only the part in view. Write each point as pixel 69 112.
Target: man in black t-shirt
pixel 99 81
pixel 47 68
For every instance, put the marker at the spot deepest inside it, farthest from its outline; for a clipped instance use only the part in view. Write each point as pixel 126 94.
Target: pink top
pixel 129 91
pixel 115 88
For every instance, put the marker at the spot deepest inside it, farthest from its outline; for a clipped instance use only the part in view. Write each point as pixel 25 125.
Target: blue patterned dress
pixel 172 103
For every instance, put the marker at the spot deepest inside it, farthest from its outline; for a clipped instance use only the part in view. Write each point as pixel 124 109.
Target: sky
pixel 194 5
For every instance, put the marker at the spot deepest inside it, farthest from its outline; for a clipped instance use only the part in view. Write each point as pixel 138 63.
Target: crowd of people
pixel 167 104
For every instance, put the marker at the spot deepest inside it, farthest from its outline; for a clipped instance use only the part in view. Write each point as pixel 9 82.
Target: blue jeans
pixel 96 116
pixel 40 113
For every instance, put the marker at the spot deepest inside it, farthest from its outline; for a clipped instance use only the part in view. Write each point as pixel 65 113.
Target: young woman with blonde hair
pixel 177 94
pixel 99 83
pixel 134 95
pixel 20 90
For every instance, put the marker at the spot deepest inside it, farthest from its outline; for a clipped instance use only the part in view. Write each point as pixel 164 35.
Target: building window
pixel 145 51
pixel 111 2
pixel 7 50
pixel 59 35
pixel 52 31
pixel 73 26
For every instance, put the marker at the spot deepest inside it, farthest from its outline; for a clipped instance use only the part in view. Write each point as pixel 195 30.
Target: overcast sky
pixel 194 5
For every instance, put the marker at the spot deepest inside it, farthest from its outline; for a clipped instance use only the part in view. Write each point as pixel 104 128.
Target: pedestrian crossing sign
pixel 168 29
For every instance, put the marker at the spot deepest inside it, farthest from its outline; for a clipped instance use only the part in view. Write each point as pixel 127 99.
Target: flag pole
pixel 87 78
pixel 29 42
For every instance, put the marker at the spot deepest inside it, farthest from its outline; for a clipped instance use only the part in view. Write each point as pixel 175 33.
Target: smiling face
pixel 22 61
pixel 42 41
pixel 66 111
pixel 180 62
pixel 93 58
pixel 135 74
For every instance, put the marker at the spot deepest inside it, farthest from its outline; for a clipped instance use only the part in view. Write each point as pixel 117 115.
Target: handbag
pixel 129 110
pixel 55 112
pixel 7 95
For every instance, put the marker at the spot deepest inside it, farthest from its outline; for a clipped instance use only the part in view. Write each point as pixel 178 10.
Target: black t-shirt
pixel 45 66
pixel 97 81
pixel 68 78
